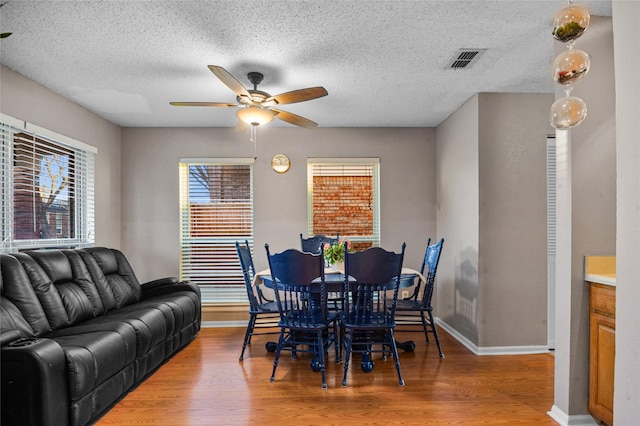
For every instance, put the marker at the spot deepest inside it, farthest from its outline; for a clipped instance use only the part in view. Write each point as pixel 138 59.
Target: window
pixel 47 183
pixel 344 198
pixel 216 210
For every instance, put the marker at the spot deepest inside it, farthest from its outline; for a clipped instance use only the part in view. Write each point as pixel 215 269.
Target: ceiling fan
pixel 256 106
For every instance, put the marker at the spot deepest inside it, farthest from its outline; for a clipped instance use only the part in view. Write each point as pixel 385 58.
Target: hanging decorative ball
pixel 570 66
pixel 570 23
pixel 568 112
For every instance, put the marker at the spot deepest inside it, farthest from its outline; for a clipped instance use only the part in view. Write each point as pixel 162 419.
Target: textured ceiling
pixel 384 63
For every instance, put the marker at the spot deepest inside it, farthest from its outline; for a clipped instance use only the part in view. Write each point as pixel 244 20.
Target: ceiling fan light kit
pixel 255 116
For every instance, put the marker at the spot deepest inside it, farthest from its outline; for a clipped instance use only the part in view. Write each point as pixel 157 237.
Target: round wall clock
pixel 280 163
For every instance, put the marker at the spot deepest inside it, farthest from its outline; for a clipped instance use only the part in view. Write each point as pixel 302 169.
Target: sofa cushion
pixel 128 333
pixel 20 307
pixel 93 358
pixel 113 276
pixel 63 286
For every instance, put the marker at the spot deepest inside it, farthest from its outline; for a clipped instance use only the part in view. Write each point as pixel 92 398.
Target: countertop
pixel 600 269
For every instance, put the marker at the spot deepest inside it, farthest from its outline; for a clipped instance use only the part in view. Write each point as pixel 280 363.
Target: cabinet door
pixel 601 366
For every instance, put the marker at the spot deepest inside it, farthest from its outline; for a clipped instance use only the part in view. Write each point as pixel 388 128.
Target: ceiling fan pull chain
pixel 254 139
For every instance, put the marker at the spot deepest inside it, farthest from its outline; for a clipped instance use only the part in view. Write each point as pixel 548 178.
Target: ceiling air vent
pixel 465 58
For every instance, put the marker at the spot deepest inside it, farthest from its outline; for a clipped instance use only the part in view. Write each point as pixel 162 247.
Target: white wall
pixel 587 220
pixel 28 101
pixel 627 69
pixel 150 214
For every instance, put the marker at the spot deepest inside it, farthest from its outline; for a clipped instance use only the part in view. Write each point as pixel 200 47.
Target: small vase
pixel 338 266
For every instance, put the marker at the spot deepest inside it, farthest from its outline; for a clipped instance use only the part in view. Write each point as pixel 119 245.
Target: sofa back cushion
pixel 63 285
pixel 111 272
pixel 45 290
pixel 20 308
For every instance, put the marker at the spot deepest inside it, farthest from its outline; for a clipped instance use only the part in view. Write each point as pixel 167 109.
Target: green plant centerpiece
pixel 334 253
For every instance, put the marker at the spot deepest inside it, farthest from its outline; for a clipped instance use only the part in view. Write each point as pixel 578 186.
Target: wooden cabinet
pixel 602 321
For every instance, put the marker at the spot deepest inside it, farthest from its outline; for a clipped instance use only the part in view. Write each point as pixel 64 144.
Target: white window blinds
pixel 551 239
pixel 216 210
pixel 47 185
pixel 344 199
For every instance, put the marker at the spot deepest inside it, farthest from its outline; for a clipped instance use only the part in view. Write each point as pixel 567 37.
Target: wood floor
pixel 205 384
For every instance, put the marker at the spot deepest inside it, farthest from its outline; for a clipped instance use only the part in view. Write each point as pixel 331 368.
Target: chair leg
pixel 277 356
pixel 425 326
pixel 347 355
pixel 248 334
pixel 338 343
pixel 294 351
pixel 322 362
pixel 435 334
pixel 396 358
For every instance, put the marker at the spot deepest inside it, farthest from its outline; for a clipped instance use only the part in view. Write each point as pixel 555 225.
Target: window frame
pixel 374 163
pixel 83 187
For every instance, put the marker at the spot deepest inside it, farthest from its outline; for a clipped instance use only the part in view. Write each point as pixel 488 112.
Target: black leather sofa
pixel 78 332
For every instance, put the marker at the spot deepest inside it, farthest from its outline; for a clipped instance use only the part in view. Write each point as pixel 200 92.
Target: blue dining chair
pixel 372 280
pixel 263 313
pixel 416 310
pixel 305 323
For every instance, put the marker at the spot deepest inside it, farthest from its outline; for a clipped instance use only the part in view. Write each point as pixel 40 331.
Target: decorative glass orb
pixel 570 66
pixel 570 23
pixel 568 112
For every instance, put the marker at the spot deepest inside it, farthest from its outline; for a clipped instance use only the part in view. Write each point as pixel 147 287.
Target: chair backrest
pixel 248 271
pixel 428 270
pixel 316 243
pixel 371 276
pixel 301 294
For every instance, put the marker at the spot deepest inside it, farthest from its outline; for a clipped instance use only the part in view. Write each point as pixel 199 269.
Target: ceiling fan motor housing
pixel 255 78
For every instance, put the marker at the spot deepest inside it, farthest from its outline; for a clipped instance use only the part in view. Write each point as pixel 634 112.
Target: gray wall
pixel 456 294
pixel 512 299
pixel 492 282
pixel 150 214
pixel 28 101
pixel 627 370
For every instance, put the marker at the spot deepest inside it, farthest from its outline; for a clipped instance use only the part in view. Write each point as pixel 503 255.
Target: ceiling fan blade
pixel 230 81
pixel 296 96
pixel 294 119
pixel 204 104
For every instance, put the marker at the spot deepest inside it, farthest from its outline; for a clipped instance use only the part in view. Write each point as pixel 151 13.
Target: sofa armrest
pixel 34 383
pixel 8 336
pixel 166 286
pixel 159 283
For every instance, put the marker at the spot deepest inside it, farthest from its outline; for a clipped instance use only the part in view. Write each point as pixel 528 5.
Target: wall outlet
pixel 405 294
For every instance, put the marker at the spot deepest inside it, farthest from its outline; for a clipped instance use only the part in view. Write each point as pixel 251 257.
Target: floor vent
pixel 465 58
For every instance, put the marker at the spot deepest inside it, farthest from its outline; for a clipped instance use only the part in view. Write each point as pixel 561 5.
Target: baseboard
pixel 480 351
pixel 223 324
pixel 565 420
pixel 490 350
pixel 456 335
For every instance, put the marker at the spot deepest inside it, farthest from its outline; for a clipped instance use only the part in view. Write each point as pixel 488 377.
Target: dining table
pixel 334 282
